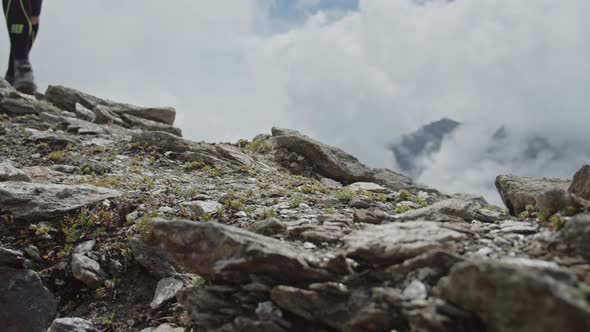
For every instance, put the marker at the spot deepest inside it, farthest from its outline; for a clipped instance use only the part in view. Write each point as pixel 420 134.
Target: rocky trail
pixel 111 221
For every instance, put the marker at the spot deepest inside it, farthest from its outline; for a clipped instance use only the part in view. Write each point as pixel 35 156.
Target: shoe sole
pixel 28 88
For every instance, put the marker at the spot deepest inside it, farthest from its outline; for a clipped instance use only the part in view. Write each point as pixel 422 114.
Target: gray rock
pixel 87 271
pixel 453 210
pixel 367 186
pixel 229 253
pixel 41 174
pixel 146 124
pixel 67 98
pixel 519 191
pixel 201 208
pixel 327 161
pixel 32 253
pixel 11 258
pixel 581 184
pixel 72 324
pixel 553 201
pixel 104 115
pixel 395 242
pixel 162 140
pixel 165 291
pixel 427 268
pixel 36 201
pixel 574 237
pixel 470 197
pixel 11 173
pixel 85 247
pixel 330 183
pixel 84 113
pixel 374 216
pixel 163 328
pixel 396 182
pixel 55 140
pixel 154 259
pixel 513 298
pixel 359 203
pixel 25 305
pixel 268 227
pixel 24 106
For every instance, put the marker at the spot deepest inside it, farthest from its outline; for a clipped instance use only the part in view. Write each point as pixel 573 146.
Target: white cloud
pixel 358 81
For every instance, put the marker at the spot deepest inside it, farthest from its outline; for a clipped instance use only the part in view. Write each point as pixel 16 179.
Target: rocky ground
pixel 111 221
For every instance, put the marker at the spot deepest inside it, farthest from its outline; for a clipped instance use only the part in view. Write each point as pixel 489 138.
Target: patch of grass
pixel 258 146
pixel 194 165
pixel 330 211
pixel 295 202
pixel 402 208
pixel 345 195
pixel 86 224
pixel 233 204
pixel 404 195
pixel 56 156
pixel 557 222
pixel 143 226
pixel 270 213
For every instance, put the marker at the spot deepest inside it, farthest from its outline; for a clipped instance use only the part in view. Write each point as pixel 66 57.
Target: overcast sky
pixel 357 75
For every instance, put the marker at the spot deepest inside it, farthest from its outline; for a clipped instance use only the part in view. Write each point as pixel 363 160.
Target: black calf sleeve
pixel 20 28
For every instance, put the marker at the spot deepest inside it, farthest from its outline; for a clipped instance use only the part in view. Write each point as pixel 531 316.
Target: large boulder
pixel 325 160
pixel 218 251
pixel 518 296
pixel 37 201
pixel 25 304
pixel 581 184
pixel 395 242
pixel 519 191
pixel 574 237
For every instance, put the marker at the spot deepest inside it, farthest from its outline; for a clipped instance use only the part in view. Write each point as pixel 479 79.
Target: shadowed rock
pixel 25 305
pixel 574 237
pixel 516 297
pixel 37 201
pixel 581 183
pixel 519 191
pixel 72 325
pixel 224 252
pixel 327 161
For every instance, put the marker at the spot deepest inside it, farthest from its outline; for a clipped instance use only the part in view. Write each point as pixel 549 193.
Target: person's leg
pixel 20 28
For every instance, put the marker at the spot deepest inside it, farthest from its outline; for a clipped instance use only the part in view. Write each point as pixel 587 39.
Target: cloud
pixel 356 79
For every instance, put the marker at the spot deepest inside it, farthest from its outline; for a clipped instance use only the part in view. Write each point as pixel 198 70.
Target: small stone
pixel 72 325
pixel 241 214
pixel 359 203
pixel 165 291
pixel 85 247
pixel 371 216
pixel 268 227
pixel 32 252
pixel 201 208
pixel 309 245
pixel 416 290
pixel 87 271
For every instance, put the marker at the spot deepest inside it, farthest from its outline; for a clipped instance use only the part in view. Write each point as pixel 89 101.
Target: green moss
pixel 270 213
pixel 404 195
pixel 258 146
pixel 345 195
pixel 294 203
pixel 401 208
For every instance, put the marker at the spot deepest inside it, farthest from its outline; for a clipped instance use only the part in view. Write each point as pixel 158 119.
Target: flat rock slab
pixel 11 173
pixel 367 186
pixel 73 324
pixel 36 201
pixel 224 252
pixel 67 99
pixel 511 297
pixel 25 304
pixel 395 242
pixel 519 191
pixel 328 161
pixel 456 210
